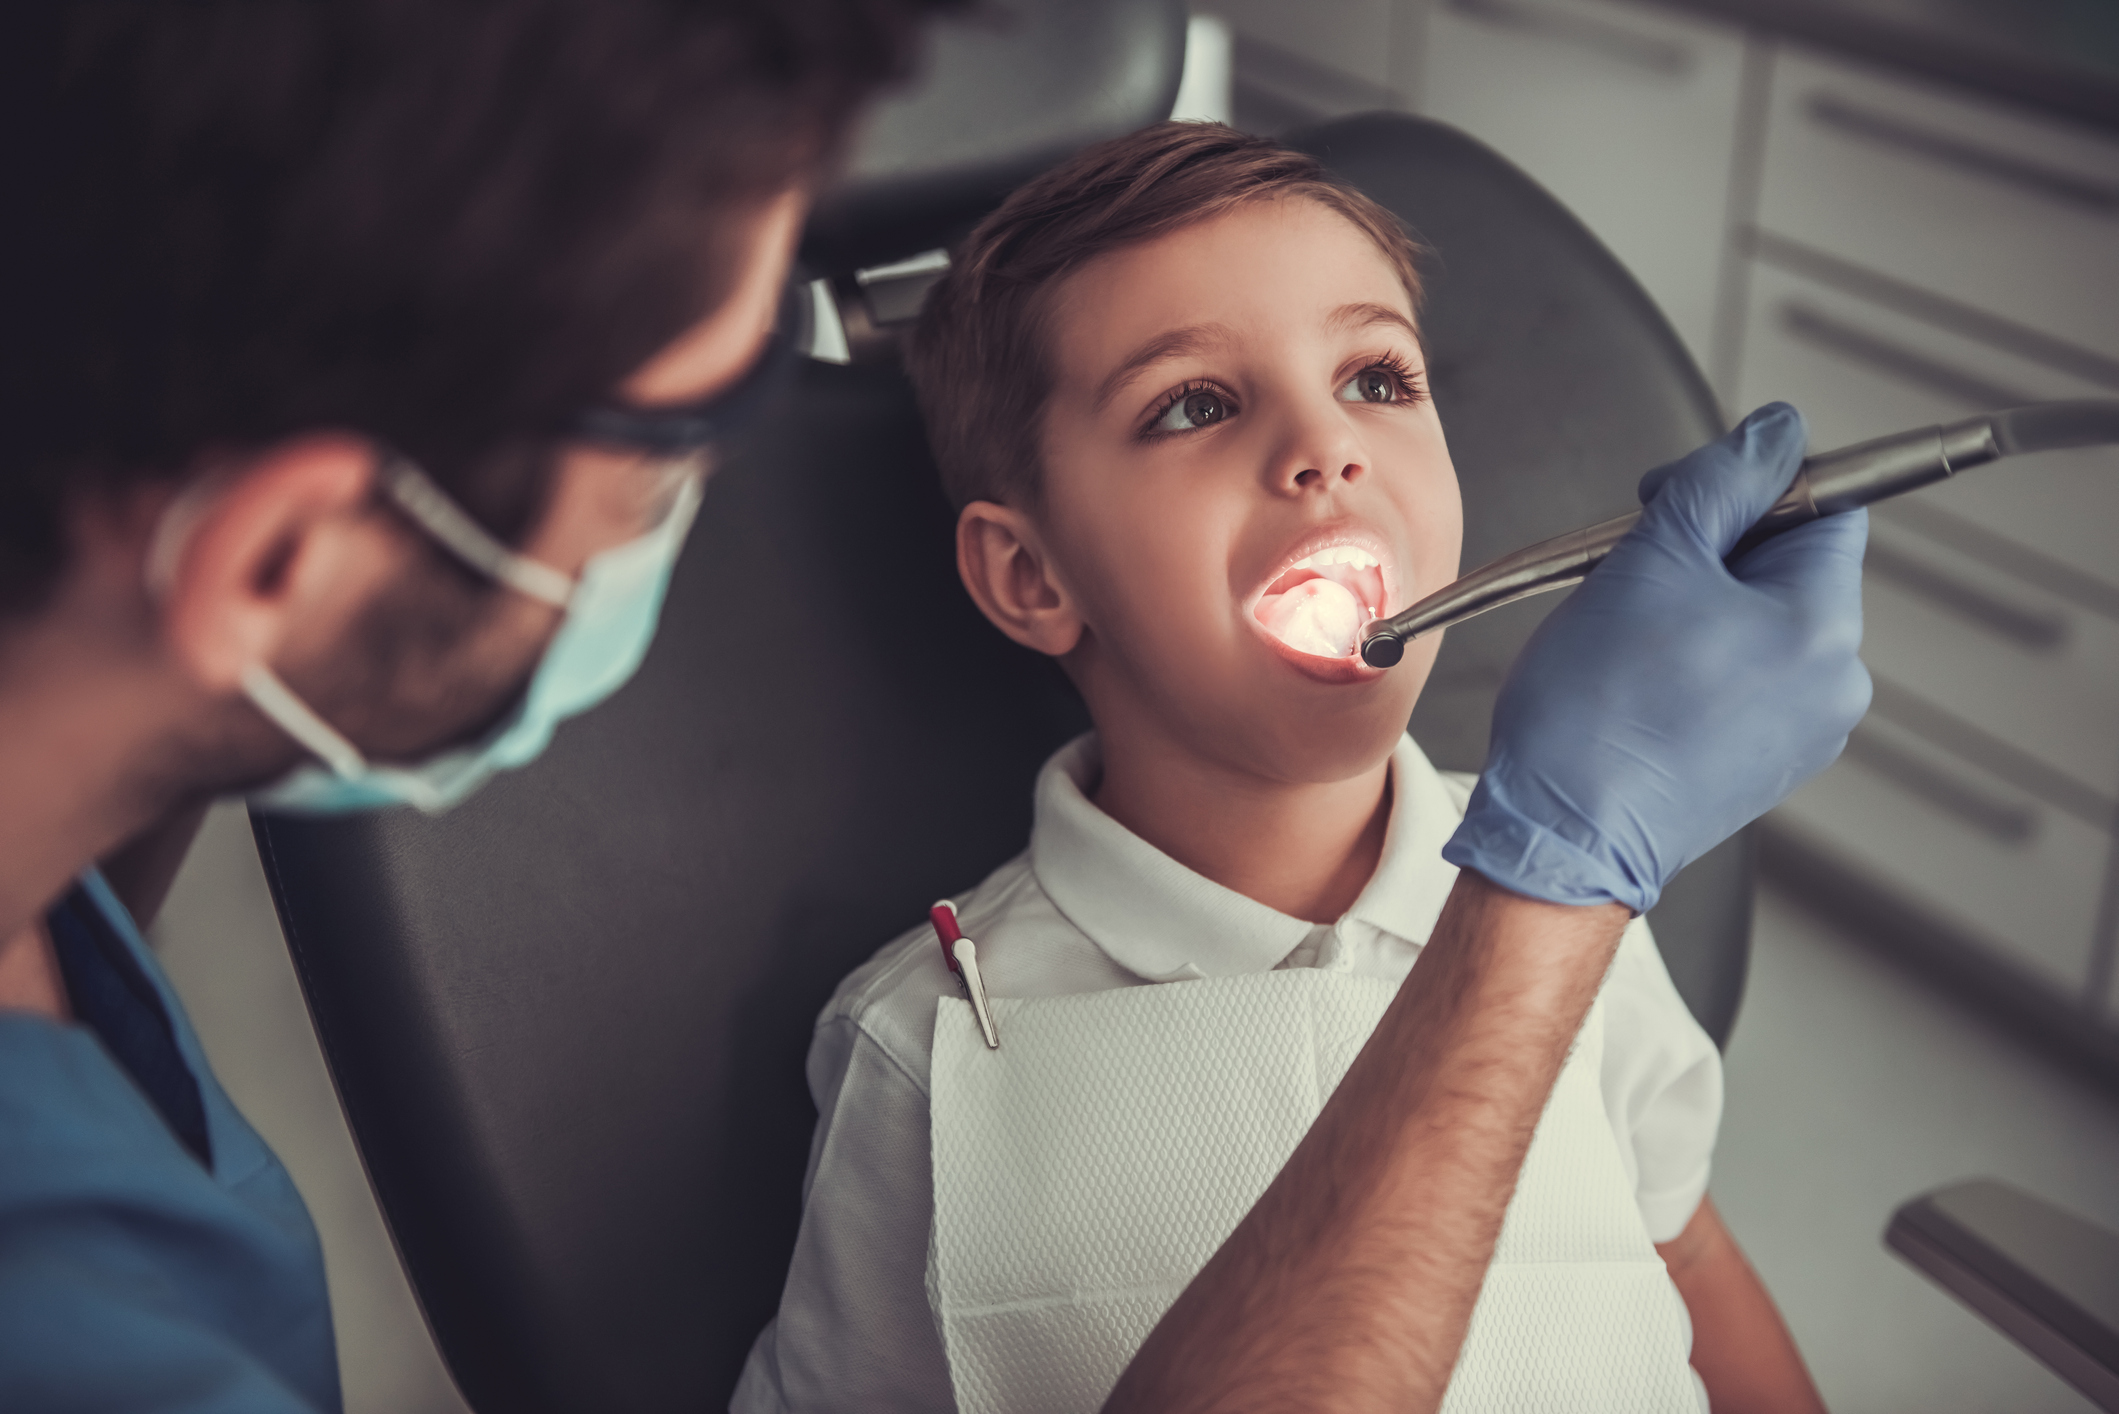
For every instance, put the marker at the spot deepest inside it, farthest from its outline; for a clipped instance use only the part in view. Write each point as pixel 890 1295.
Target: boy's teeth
pixel 1353 555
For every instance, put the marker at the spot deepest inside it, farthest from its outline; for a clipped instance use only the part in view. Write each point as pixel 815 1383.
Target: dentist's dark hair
pixel 980 355
pixel 443 224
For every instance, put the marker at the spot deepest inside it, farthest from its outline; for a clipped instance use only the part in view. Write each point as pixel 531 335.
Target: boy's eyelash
pixel 1402 373
pixel 1177 395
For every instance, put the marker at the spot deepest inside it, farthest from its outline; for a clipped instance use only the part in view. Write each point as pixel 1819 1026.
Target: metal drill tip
pixel 1382 651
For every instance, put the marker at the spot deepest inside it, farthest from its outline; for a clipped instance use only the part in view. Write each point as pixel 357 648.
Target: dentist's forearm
pixel 1351 1283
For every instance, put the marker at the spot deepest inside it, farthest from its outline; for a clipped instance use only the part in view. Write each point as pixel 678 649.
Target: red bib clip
pixel 962 955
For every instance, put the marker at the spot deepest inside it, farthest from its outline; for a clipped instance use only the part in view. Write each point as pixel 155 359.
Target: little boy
pixel 1177 391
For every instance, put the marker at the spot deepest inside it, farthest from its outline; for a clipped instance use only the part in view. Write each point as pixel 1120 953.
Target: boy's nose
pixel 1321 453
pixel 1312 476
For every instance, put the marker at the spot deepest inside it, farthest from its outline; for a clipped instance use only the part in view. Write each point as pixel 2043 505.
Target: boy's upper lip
pixel 1359 534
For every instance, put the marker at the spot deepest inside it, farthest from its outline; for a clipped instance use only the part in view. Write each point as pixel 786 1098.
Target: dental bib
pixel 1086 1171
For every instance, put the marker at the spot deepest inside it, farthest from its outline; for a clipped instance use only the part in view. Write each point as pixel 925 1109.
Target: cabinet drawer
pixel 2033 678
pixel 2001 863
pixel 1858 370
pixel 2015 215
pixel 1626 114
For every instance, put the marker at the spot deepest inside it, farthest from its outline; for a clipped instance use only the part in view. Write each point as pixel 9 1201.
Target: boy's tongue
pixel 1317 616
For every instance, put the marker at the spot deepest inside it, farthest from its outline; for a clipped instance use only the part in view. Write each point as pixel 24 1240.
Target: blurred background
pixel 1890 213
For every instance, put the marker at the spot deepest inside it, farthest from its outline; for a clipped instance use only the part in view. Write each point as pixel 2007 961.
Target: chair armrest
pixel 2045 1278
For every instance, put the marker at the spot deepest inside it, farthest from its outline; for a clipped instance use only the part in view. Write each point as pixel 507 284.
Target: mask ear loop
pixel 295 717
pixel 165 554
pixel 430 508
pixel 322 740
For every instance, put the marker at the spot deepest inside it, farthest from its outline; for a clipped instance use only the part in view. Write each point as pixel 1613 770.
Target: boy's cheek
pixel 1153 603
pixel 1434 512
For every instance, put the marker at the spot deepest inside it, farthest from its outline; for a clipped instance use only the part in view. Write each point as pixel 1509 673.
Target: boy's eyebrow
pixel 1358 316
pixel 1190 339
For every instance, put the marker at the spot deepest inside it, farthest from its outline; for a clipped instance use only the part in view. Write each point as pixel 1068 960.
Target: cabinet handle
pixel 1895 360
pixel 1659 56
pixel 2055 577
pixel 1832 111
pixel 1930 308
pixel 2041 630
pixel 2001 820
pixel 2003 760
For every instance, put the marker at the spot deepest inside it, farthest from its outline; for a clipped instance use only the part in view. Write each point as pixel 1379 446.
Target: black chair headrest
pixel 1010 89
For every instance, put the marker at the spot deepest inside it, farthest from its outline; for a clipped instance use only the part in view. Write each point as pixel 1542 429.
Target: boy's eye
pixel 1370 385
pixel 1201 408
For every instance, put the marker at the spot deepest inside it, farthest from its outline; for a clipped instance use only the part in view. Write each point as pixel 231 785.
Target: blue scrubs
pixel 154 1255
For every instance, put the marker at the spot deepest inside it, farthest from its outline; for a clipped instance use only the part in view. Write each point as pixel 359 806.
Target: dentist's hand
pixel 1673 699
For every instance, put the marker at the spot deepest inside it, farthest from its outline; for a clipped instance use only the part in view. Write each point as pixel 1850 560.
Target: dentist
pixel 359 367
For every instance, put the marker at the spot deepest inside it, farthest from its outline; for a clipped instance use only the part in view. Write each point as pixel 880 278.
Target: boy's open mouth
pixel 1320 604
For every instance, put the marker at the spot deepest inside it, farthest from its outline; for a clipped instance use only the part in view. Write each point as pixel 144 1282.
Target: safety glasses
pixel 689 428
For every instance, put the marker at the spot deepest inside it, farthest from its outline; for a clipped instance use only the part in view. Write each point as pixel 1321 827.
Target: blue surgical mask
pixel 611 610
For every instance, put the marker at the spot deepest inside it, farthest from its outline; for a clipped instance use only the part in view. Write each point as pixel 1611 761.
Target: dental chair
pixel 568 1021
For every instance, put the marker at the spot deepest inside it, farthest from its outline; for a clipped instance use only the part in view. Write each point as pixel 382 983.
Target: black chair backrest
pixel 568 1021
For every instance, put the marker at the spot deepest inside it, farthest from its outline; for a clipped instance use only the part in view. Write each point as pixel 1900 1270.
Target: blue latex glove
pixel 1672 699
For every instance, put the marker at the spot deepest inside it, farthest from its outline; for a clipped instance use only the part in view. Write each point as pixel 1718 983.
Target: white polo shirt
pixel 1089 907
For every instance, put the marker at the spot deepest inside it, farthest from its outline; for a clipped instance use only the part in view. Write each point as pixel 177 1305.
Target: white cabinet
pixel 1920 256
pixel 1995 596
pixel 1627 114
pixel 2001 864
pixel 2011 214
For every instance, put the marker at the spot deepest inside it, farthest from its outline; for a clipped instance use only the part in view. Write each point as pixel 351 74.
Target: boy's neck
pixel 1306 850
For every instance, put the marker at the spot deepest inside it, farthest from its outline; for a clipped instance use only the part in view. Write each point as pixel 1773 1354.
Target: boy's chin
pixel 1323 746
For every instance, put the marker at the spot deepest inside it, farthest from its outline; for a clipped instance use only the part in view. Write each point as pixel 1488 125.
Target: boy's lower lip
pixel 1333 671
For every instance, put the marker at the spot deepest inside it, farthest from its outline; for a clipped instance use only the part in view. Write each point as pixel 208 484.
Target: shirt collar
pixel 1164 922
pixel 1412 881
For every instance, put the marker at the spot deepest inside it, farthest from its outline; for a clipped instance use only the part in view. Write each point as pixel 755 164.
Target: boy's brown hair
pixel 980 358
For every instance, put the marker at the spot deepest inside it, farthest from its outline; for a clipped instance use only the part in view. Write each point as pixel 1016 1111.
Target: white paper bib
pixel 1085 1172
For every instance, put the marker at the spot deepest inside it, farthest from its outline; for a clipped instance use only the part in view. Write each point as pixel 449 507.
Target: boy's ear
pixel 1003 563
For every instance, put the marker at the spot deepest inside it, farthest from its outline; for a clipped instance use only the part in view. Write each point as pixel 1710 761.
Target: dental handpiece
pixel 1827 484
